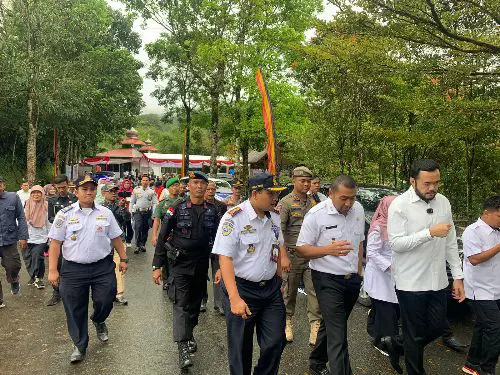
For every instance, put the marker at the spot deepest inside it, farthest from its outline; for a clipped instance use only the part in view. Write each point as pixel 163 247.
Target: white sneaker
pixel 2 305
pixel 129 245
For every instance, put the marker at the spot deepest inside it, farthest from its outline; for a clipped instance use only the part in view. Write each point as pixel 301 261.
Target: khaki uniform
pixel 292 210
pixel 232 202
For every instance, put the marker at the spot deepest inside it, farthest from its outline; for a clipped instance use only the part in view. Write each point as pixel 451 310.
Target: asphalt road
pixel 34 339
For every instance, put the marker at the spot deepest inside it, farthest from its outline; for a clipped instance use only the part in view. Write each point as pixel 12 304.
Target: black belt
pixel 258 284
pixel 344 277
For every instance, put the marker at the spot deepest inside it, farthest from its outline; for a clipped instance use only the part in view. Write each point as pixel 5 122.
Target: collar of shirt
pixel 94 206
pixel 252 215
pixel 480 223
pixel 414 196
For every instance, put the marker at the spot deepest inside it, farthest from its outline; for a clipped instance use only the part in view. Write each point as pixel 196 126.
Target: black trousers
pixel 485 344
pixel 214 261
pixel 34 259
pixel 424 319
pixel 267 319
pixel 59 265
pixel 336 298
pixel 11 261
pixel 383 320
pixel 141 227
pixel 76 282
pixel 129 231
pixel 186 293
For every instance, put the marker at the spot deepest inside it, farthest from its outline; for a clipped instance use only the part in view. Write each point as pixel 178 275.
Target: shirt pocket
pixel 72 229
pixel 328 235
pixel 101 229
pixel 249 243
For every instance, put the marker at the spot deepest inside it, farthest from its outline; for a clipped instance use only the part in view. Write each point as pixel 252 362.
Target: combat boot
pixel 185 360
pixel 289 329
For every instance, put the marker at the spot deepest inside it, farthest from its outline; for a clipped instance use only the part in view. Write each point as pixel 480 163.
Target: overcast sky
pixel 150 33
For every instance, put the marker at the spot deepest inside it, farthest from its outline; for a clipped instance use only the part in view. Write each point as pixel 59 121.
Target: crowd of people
pixel 260 251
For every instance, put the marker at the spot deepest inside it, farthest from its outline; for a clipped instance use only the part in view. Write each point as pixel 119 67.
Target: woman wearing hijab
pixel 384 314
pixel 36 211
pixel 124 193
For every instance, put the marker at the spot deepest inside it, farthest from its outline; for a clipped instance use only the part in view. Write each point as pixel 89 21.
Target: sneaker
pixel 143 249
pixel 120 300
pixel 471 369
pixel 137 250
pixel 381 350
pixel 101 331
pixel 39 284
pixel 32 281
pixel 314 332
pixel 54 300
pixel 129 245
pixel 2 305
pixel 14 288
pixel 289 329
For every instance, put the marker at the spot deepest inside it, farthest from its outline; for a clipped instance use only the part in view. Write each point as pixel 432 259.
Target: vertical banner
pixel 267 113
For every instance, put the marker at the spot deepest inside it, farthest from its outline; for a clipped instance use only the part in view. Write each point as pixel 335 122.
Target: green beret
pixel 171 181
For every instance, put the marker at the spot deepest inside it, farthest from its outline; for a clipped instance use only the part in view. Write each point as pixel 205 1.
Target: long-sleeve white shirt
pixel 418 259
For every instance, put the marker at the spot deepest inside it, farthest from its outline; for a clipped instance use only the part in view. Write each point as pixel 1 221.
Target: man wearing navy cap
pixel 248 243
pixel 186 237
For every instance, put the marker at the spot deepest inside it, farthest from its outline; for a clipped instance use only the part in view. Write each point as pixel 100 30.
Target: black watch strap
pixel 123 260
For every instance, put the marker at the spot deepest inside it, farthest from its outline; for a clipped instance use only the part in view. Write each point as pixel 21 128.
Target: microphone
pixel 430 211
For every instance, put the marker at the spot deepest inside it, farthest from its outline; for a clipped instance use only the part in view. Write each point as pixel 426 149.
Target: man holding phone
pixel 332 237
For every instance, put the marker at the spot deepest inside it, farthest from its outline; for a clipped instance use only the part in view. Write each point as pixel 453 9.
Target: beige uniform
pixel 292 210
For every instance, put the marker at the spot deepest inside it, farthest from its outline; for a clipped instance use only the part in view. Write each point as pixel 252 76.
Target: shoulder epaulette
pixel 235 211
pixel 66 209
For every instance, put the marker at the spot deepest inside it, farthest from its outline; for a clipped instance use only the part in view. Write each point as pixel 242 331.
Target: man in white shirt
pixel 332 237
pixel 24 193
pixel 422 239
pixel 482 285
pixel 314 191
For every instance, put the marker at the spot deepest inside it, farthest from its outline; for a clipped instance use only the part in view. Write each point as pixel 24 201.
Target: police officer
pixel 190 229
pixel 121 215
pixel 248 243
pixel 56 203
pixel 292 209
pixel 235 198
pixel 142 204
pixel 89 232
pixel 332 237
pixel 13 229
pixel 482 286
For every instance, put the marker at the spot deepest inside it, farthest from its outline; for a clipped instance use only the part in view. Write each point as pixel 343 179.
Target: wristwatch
pixel 123 260
pixel 156 268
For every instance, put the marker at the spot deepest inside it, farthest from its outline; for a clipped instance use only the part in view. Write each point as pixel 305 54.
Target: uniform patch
pixel 235 211
pixel 66 209
pixel 99 229
pixel 74 220
pixel 170 211
pixel 59 223
pixel 248 229
pixel 227 227
pixel 251 249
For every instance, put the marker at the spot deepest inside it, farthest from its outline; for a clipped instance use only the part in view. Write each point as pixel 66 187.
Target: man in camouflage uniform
pixel 235 199
pixel 292 209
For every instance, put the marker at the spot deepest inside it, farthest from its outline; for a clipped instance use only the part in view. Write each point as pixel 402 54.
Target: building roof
pixel 121 153
pixel 148 147
pixel 256 156
pixel 133 141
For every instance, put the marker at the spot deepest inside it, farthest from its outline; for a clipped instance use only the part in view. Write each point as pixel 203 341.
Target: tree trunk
pixel 214 131
pixel 32 134
pixel 187 136
pixel 244 160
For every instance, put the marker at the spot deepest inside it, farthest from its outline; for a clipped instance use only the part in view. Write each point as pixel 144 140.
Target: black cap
pixel 197 175
pixel 83 180
pixel 265 181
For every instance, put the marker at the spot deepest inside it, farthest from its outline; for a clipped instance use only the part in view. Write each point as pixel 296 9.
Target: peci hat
pixel 197 175
pixel 83 180
pixel 302 172
pixel 265 181
pixel 171 181
pixel 109 187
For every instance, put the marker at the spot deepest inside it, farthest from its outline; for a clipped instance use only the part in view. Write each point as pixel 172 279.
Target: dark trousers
pixel 336 298
pixel 141 227
pixel 11 261
pixel 186 293
pixel 76 282
pixel 59 265
pixel 424 319
pixel 267 319
pixel 485 344
pixel 383 320
pixel 34 260
pixel 129 231
pixel 214 261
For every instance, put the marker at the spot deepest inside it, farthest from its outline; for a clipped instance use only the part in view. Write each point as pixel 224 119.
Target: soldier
pixel 56 203
pixel 235 199
pixel 186 237
pixel 142 204
pixel 292 209
pixel 248 242
pixel 121 214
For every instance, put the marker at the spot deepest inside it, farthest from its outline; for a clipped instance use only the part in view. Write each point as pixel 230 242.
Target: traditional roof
pixel 132 138
pixel 121 153
pixel 147 148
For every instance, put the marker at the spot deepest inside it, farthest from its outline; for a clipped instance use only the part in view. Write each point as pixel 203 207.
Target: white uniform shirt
pixel 418 260
pixel 324 224
pixel 23 195
pixel 378 282
pixel 143 199
pixel 87 238
pixel 250 242
pixel 482 282
pixel 38 235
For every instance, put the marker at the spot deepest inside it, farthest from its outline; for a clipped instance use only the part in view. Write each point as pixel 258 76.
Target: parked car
pixel 223 187
pixel 103 174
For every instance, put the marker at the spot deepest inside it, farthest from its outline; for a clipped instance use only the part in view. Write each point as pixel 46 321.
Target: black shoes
pixel 77 355
pixel 192 346
pixel 394 350
pixel 14 288
pixel 319 371
pixel 454 344
pixel 120 300
pixel 203 307
pixel 56 298
pixel 140 249
pixel 185 360
pixel 102 331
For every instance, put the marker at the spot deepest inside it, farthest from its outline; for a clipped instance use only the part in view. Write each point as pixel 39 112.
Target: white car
pixel 223 187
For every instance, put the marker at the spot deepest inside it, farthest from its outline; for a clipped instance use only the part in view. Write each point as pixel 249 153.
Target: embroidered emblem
pixel 227 227
pixel 59 223
pixel 99 229
pixel 251 249
pixel 235 211
pixel 248 229
pixel 170 211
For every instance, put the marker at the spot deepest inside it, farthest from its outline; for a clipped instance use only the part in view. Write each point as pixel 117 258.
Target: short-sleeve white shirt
pixel 249 241
pixel 87 238
pixel 481 282
pixel 324 224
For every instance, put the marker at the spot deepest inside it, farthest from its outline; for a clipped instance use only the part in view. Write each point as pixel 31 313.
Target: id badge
pixel 275 251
